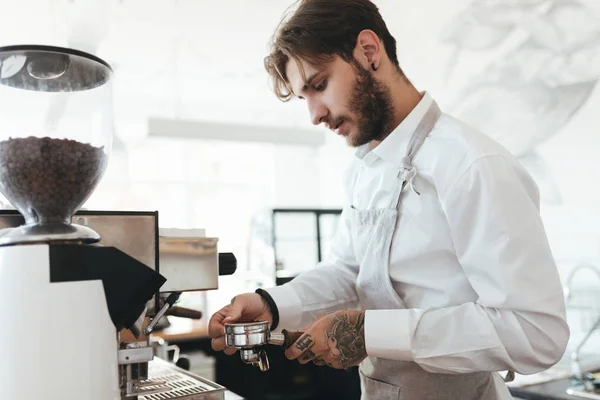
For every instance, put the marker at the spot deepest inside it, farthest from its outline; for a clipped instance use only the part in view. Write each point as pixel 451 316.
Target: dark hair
pixel 320 29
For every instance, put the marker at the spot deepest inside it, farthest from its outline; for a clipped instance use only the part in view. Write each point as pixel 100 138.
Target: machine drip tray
pixel 182 384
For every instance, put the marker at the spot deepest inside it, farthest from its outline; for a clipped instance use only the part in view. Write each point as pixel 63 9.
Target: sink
pixel 580 391
pixel 586 386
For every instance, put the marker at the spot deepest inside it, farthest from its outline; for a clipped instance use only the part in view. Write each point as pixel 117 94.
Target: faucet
pixel 567 286
pixel 575 360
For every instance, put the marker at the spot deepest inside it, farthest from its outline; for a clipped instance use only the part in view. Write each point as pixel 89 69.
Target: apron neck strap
pixel 409 172
pixel 418 137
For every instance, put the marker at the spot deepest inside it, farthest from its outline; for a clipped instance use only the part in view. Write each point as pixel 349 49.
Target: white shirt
pixel 470 258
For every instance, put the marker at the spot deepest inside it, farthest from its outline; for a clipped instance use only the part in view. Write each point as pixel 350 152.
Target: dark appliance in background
pixel 300 238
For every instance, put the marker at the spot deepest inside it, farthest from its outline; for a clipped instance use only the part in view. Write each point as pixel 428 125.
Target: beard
pixel 371 103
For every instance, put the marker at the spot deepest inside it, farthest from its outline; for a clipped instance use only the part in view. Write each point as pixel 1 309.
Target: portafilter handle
pixel 248 337
pixel 285 339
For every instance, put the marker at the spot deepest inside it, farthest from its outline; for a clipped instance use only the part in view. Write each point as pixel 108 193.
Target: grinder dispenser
pixel 55 139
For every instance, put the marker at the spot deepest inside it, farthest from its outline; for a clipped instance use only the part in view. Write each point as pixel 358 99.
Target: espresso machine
pixel 81 291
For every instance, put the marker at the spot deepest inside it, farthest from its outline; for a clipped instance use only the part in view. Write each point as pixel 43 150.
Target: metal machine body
pixel 188 263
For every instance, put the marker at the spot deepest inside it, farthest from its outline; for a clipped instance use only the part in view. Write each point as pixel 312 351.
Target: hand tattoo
pixel 305 342
pixel 319 361
pixel 346 339
pixel 308 355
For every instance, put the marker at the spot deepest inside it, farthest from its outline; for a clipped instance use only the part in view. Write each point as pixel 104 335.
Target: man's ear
pixel 368 49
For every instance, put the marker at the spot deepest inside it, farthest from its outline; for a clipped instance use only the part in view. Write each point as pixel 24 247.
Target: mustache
pixel 333 123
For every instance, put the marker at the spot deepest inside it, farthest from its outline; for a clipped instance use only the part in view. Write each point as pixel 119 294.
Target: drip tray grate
pixel 181 384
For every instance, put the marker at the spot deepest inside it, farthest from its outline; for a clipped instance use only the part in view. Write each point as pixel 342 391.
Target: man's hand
pixel 337 340
pixel 247 307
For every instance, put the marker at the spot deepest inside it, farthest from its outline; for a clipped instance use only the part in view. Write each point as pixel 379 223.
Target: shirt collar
pixel 390 149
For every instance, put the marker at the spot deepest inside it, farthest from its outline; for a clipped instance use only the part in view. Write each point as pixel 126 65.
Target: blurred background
pixel 202 139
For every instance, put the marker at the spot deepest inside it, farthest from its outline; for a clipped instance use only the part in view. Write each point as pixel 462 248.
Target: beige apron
pixel 373 230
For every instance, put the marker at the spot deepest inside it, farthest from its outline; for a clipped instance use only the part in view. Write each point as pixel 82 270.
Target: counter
pixel 555 390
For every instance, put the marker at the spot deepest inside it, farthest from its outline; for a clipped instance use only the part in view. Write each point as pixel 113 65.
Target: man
pixel 440 275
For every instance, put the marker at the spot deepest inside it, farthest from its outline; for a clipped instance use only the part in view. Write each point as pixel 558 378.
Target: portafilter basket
pixel 249 337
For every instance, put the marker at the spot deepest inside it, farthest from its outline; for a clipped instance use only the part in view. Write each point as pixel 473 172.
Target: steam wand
pixel 172 299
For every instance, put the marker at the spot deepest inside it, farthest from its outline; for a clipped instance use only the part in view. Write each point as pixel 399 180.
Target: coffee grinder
pixel 65 297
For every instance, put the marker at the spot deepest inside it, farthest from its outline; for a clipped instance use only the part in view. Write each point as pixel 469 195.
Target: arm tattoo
pixel 305 342
pixel 308 355
pixel 348 338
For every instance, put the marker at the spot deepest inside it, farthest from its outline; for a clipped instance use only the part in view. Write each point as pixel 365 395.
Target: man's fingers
pixel 319 361
pixel 306 357
pixel 235 311
pixel 332 361
pixel 215 325
pixel 218 344
pixel 305 342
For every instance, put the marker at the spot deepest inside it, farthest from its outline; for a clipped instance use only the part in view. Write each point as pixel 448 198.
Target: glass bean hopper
pixel 56 133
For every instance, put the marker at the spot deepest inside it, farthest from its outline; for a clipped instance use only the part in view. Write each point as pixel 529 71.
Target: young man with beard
pixel 440 275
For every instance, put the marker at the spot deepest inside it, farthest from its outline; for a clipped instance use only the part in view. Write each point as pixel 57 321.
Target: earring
pixel 373 67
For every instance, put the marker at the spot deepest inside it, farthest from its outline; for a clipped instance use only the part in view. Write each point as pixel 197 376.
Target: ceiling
pixel 203 59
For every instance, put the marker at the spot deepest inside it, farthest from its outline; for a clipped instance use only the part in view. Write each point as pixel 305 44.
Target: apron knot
pixel 410 173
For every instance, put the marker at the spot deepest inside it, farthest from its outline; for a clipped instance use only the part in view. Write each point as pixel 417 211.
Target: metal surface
pixel 189 263
pixel 247 335
pixel 133 362
pixel 173 297
pixel 51 69
pixel 135 355
pixel 32 234
pixel 162 349
pixel 133 233
pixel 156 319
pixel 277 339
pixel 181 384
pixel 258 358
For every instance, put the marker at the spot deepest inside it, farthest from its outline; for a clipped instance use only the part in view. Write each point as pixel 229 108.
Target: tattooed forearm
pixel 346 339
pixel 305 342
pixel 308 355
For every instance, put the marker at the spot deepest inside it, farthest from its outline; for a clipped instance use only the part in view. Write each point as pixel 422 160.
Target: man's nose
pixel 318 112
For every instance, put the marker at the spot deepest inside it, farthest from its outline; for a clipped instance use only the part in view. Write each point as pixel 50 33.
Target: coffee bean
pixel 47 177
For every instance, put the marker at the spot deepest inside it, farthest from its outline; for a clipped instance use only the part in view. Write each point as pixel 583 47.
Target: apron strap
pixel 408 171
pixel 423 129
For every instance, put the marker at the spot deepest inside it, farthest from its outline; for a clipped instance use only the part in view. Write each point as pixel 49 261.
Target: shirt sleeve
pixel 518 322
pixel 329 287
